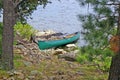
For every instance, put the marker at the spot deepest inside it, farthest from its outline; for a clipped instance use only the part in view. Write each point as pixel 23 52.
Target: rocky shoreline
pixel 29 48
pixel 32 55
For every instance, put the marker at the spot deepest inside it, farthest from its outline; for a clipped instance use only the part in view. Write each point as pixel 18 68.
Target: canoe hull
pixel 56 43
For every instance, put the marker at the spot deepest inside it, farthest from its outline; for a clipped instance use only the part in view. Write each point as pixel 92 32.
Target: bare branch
pixel 18 2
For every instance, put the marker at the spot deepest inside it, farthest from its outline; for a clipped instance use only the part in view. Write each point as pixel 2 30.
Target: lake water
pixel 59 16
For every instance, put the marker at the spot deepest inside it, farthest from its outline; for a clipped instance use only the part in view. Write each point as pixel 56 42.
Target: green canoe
pixel 56 43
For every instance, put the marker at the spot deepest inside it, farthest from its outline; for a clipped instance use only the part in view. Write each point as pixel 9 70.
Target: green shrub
pixel 25 30
pixel 82 58
pixel 101 58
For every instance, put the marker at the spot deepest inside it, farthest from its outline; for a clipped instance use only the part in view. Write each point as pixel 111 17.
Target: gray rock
pixel 52 78
pixel 26 79
pixel 68 56
pixel 79 73
pixel 59 51
pixel 21 76
pixel 27 63
pixel 18 72
pixel 4 78
pixel 31 77
pixel 10 73
pixel 21 47
pixel 71 45
pixel 35 72
pixel 11 78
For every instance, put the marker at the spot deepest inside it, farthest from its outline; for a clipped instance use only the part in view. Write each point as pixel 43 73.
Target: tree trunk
pixel 8 34
pixel 114 73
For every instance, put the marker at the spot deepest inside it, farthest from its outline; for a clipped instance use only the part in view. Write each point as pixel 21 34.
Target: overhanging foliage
pixel 101 24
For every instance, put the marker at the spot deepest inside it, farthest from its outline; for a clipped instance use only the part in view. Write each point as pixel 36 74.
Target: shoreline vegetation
pixel 68 62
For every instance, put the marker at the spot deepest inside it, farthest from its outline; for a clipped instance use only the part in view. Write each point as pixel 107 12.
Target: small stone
pixel 10 73
pixel 52 78
pixel 21 76
pixel 4 78
pixel 27 63
pixel 79 73
pixel 48 57
pixel 20 47
pixel 26 79
pixel 39 33
pixel 25 53
pixel 59 51
pixel 17 72
pixel 71 45
pixel 35 72
pixel 31 77
pixel 45 78
pixel 11 78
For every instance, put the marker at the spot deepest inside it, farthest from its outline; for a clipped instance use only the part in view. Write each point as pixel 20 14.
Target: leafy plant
pixel 24 30
pixel 100 58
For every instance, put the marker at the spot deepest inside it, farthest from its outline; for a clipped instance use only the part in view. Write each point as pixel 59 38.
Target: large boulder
pixel 69 56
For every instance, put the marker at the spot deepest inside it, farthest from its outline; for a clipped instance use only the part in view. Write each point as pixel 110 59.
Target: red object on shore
pixel 115 43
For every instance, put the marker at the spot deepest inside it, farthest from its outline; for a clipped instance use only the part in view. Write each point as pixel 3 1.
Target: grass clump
pixel 3 73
